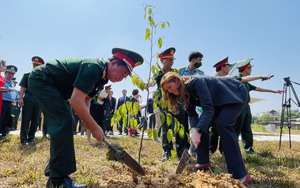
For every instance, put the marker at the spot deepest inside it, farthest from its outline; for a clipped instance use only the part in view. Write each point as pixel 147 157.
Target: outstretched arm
pixel 252 78
pixel 268 90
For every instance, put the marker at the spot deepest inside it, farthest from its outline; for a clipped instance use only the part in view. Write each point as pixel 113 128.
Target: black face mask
pixel 198 64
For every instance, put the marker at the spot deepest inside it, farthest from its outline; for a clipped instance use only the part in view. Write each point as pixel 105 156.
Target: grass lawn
pixel 21 167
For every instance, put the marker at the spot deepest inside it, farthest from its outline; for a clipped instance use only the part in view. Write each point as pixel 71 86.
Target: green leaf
pixel 169 135
pixel 149 133
pixel 155 133
pixel 123 109
pixel 128 105
pixel 181 132
pixel 176 70
pixel 151 21
pixel 154 105
pixel 135 123
pixel 153 68
pixel 159 42
pixel 188 137
pixel 168 24
pixel 133 79
pixel 135 108
pixel 137 80
pixel 150 11
pixel 169 119
pixel 177 126
pixel 162 118
pixel 147 34
pixel 173 154
pixel 113 120
pixel 141 84
pixel 164 104
pixel 163 25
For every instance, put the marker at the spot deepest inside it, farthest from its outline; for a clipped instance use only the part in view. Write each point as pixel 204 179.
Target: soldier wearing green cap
pixel 167 59
pixel 16 109
pixel 243 123
pixel 61 84
pixel 31 110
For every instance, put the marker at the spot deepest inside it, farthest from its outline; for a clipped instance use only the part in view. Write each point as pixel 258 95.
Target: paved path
pixel 256 136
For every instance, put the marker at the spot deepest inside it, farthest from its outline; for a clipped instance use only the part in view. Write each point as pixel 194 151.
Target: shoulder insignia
pixel 180 68
pixel 200 70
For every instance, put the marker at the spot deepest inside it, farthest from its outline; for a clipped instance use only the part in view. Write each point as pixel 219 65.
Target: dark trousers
pixel 225 120
pixel 243 127
pixel 214 140
pixel 181 142
pixel 6 118
pixel 45 130
pixel 60 123
pixel 120 127
pixel 16 110
pixel 31 113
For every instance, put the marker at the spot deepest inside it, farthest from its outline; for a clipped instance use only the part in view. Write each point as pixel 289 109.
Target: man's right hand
pixel 21 102
pixel 98 133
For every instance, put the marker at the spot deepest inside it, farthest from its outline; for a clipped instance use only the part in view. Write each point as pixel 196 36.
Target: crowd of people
pixel 58 95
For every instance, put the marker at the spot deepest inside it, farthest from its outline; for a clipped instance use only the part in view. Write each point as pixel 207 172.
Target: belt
pixel 7 101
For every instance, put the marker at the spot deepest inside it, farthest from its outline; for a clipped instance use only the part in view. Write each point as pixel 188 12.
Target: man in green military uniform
pixel 167 59
pixel 61 83
pixel 31 110
pixel 16 109
pixel 222 69
pixel 243 123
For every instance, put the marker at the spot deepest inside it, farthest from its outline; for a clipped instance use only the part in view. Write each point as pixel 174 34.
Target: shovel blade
pixel 132 164
pixel 126 158
pixel 184 160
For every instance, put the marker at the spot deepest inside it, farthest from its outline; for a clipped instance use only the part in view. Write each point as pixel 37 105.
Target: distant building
pixel 274 113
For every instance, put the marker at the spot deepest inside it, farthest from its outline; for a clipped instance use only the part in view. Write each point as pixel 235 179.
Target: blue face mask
pixel 198 64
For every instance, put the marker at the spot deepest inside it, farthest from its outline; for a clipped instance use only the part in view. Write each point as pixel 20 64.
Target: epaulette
pixel 180 68
pixel 200 70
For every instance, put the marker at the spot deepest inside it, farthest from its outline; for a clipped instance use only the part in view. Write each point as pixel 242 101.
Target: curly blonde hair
pixel 175 100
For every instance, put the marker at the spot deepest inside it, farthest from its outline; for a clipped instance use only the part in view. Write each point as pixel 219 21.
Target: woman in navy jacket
pixel 222 100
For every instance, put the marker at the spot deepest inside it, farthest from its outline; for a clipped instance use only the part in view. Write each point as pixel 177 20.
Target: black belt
pixel 7 101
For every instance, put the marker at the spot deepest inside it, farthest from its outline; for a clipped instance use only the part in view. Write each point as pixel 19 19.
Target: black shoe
pixel 250 151
pixel 47 170
pixel 66 182
pixel 31 143
pixel 165 157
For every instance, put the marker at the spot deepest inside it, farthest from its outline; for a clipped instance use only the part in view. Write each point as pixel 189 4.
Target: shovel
pixel 184 160
pixel 126 158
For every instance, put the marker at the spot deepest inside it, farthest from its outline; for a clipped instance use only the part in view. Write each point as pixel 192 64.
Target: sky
pixel 267 31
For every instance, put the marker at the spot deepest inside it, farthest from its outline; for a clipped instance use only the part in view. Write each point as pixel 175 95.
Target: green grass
pixel 24 167
pixel 261 128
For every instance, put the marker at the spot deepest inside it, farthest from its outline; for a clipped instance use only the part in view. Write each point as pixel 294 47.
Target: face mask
pixel 197 65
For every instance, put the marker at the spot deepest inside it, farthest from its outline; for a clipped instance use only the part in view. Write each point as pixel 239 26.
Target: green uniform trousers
pixel 60 124
pixel 16 110
pixel 181 143
pixel 31 112
pixel 243 127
